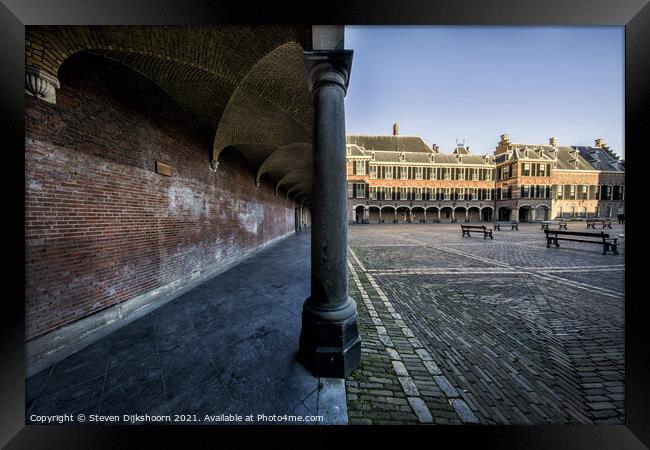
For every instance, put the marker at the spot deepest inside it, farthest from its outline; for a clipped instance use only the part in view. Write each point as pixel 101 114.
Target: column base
pixel 330 346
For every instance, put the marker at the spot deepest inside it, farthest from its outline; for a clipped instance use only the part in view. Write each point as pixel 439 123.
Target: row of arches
pixel 529 213
pixel 420 214
pixel 446 214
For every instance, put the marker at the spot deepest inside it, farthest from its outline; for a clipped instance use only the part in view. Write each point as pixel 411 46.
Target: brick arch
pixel 228 52
pixel 293 178
pixel 201 67
pixel 275 97
pixel 280 161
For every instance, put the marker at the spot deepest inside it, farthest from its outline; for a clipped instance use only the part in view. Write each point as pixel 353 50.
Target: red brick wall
pixel 101 225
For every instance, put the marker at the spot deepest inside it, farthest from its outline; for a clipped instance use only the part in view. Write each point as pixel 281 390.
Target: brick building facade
pixel 101 225
pixel 402 179
pixel 142 175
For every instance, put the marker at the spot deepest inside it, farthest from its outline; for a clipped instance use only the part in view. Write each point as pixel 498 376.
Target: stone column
pixel 453 214
pixel 514 214
pixel 438 214
pixel 330 345
pixel 380 215
pixel 299 218
pixel 425 215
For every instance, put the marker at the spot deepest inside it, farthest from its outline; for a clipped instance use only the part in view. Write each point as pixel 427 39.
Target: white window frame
pixel 362 190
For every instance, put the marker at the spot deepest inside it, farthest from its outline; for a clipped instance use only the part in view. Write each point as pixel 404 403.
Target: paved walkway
pixel 226 347
pixel 504 331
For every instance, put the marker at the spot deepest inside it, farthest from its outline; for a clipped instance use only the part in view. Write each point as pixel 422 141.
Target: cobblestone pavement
pixel 504 331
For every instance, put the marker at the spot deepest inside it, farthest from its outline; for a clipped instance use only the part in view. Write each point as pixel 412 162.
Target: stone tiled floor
pixel 227 346
pixel 501 331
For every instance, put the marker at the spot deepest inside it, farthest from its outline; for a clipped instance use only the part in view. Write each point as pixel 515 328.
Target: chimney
pixel 505 139
pixel 553 141
pixel 435 148
pixel 395 129
pixel 600 143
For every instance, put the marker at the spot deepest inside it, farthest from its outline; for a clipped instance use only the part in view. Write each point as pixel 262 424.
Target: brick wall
pixel 101 226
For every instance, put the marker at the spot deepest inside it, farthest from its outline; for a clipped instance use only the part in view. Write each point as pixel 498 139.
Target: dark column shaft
pixel 329 240
pixel 329 340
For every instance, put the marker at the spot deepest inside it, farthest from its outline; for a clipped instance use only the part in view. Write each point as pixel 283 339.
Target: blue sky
pixel 475 83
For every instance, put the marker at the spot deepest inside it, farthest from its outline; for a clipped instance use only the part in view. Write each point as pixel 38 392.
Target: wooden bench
pixel 466 229
pixel 606 223
pixel 547 223
pixel 609 244
pixel 513 225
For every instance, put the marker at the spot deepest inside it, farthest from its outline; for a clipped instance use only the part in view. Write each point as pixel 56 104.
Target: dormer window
pixel 402 157
pixel 372 155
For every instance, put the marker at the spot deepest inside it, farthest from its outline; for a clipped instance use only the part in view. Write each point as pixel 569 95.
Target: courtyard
pixel 505 331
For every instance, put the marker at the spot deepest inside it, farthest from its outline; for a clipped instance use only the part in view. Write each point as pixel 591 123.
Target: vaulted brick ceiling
pixel 244 86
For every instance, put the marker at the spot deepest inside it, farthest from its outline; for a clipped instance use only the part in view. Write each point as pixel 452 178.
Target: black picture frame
pixel 15 14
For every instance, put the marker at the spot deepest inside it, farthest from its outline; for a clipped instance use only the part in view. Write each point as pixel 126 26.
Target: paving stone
pixel 432 368
pixel 446 386
pixel 420 409
pixel 526 343
pixel 400 370
pixel 409 386
pixel 600 405
pixel 463 410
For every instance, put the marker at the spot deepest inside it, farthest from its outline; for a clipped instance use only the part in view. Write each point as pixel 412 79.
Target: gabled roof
pixel 474 159
pixel 601 158
pixel 409 149
pixel 566 157
pixel 355 150
pixel 412 144
pixel 445 158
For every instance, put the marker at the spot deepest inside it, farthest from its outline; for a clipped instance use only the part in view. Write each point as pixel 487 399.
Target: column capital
pixel 328 67
pixel 41 84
